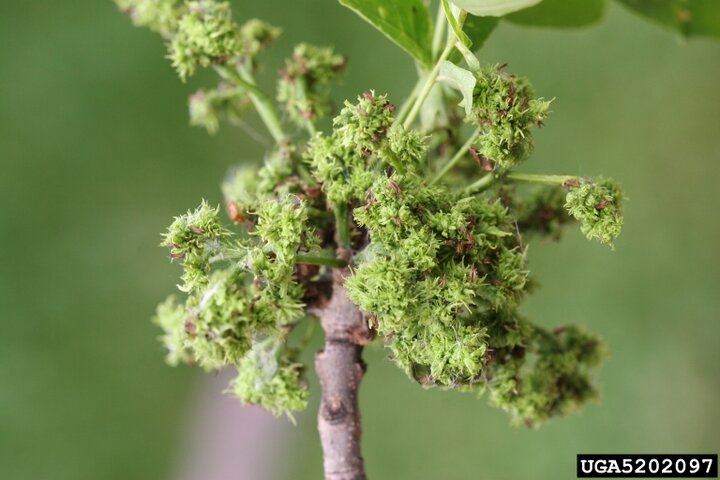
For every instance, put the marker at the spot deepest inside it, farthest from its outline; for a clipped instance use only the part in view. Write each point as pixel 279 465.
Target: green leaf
pixel 560 13
pixel 459 79
pixel 688 17
pixel 493 8
pixel 405 22
pixel 478 29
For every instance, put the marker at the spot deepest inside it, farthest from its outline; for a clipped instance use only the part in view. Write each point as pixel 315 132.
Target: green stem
pixel 302 88
pixel 405 108
pixel 535 178
pixel 429 83
pixel 317 259
pixel 309 331
pixel 489 179
pixel 458 156
pixel 263 104
pixel 440 23
pixel 310 126
pixel 342 227
pixel 481 184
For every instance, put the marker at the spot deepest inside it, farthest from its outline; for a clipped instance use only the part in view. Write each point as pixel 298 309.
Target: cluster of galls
pixel 243 299
pixel 202 33
pixel 442 275
pixel 595 204
pixel 303 83
pixel 505 109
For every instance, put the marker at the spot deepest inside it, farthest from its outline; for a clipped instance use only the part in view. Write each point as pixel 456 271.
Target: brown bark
pixel 340 368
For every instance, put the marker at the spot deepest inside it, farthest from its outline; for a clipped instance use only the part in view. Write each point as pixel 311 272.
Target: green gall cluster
pixel 303 83
pixel 505 109
pixel 440 275
pixel 268 377
pixel 597 205
pixel 341 171
pixel 221 321
pixel 170 317
pixel 160 16
pixel 283 227
pixel 200 32
pixel 256 35
pixel 239 289
pixel 194 239
pixel 547 377
pixel 362 146
pixel 206 34
pixel 443 275
pixel 438 264
pixel 363 126
pixel 405 151
pixel 247 188
pixel 207 107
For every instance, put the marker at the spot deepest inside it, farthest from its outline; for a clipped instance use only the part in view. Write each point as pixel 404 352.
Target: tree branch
pixel 340 368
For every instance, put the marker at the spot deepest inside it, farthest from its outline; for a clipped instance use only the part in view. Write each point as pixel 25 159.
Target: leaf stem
pixel 405 108
pixel 263 104
pixel 440 24
pixel 457 157
pixel 308 123
pixel 432 76
pixel 481 184
pixel 342 226
pixel 309 332
pixel 490 178
pixel 429 83
pixel 536 178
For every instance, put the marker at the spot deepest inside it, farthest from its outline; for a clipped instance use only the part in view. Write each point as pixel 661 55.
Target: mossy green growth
pixel 200 32
pixel 208 107
pixel 438 264
pixel 269 377
pixel 195 239
pixel 505 110
pixel 303 84
pixel 170 317
pixel 363 143
pixel 597 205
pixel 439 268
pixel 239 289
pixel 160 16
pixel 206 34
pixel 256 35
pixel 547 376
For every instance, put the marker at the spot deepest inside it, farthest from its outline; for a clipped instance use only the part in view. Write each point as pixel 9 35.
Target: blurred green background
pixel 96 156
